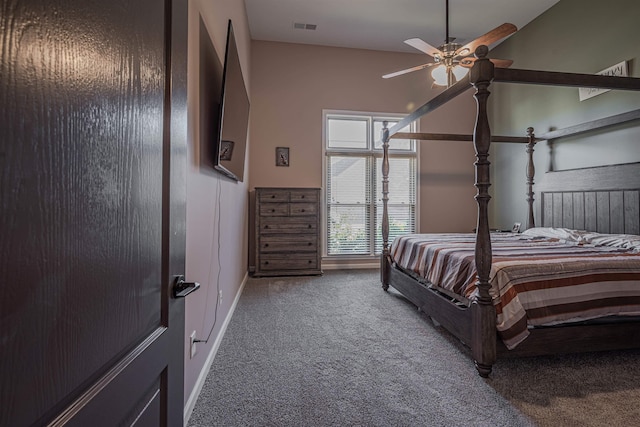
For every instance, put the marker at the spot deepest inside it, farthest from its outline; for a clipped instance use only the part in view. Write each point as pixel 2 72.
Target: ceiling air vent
pixel 301 26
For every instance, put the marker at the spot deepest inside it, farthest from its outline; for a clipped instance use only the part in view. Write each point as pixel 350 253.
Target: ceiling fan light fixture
pixel 439 75
pixel 460 71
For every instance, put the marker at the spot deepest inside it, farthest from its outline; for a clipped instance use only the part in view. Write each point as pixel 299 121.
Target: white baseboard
pixel 350 267
pixel 328 264
pixel 193 397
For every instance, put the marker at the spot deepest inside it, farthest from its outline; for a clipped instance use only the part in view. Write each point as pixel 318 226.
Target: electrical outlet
pixel 220 295
pixel 192 344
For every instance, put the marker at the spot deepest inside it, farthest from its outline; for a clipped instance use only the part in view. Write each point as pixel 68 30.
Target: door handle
pixel 181 288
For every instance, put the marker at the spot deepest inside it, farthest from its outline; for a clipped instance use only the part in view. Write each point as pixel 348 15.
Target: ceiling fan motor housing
pixel 449 48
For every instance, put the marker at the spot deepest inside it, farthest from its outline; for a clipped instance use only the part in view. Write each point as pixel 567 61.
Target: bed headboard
pixel 605 199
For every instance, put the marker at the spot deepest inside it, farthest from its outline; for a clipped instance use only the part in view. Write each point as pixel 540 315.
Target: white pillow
pixel 565 234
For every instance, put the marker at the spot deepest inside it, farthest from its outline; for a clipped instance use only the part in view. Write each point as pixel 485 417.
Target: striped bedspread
pixel 534 281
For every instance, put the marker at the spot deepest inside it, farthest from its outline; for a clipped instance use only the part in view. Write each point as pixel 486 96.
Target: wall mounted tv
pixel 229 119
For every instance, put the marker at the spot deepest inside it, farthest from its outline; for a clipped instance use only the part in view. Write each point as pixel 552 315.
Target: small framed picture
pixel 282 156
pixel 516 227
pixel 226 149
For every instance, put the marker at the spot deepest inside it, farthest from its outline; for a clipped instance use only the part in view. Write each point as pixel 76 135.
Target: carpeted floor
pixel 336 350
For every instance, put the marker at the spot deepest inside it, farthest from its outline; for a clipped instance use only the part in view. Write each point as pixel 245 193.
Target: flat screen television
pixel 230 141
pixel 210 90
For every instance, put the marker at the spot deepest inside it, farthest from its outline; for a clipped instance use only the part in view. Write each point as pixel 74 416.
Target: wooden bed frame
pixel 590 198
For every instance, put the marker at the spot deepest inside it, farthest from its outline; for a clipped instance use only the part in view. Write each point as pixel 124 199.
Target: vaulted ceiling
pixel 383 24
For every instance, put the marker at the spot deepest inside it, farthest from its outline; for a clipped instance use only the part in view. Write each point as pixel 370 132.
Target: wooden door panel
pixel 86 149
pixel 139 374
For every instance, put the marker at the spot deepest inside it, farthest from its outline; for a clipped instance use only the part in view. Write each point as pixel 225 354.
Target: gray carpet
pixel 336 350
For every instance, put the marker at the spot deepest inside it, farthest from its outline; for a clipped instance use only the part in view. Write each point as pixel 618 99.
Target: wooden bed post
pixel 550 145
pixel 531 173
pixel 384 259
pixel 483 312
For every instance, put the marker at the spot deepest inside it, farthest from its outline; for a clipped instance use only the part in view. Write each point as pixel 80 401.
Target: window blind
pixel 348 190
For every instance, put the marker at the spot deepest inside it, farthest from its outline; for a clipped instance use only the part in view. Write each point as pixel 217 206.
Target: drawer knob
pixel 302 197
pixel 273 196
pixel 266 262
pixel 309 225
pixel 273 210
pixel 266 226
pixel 301 210
pixel 266 245
pixel 309 261
pixel 309 244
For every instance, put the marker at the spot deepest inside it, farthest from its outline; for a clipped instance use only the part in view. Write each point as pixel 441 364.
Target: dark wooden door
pixel 92 197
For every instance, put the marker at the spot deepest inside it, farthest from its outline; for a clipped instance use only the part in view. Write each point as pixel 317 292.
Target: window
pixel 353 183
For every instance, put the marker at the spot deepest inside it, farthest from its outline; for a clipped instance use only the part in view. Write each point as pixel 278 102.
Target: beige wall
pixel 291 85
pixel 217 238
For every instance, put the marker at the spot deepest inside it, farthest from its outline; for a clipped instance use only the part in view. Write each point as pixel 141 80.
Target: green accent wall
pixel 573 36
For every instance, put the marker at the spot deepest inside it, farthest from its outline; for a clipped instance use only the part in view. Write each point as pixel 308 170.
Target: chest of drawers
pixel 287 231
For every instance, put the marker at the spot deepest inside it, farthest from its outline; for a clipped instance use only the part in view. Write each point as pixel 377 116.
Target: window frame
pixel 371 118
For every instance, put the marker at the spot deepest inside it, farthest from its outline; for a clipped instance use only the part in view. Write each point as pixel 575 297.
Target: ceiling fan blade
pixel 408 70
pixel 492 36
pixel 423 46
pixel 500 63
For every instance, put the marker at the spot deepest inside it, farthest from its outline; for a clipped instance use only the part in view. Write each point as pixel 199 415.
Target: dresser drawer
pixel 274 209
pixel 277 244
pixel 273 196
pixel 288 225
pixel 303 196
pixel 290 262
pixel 302 209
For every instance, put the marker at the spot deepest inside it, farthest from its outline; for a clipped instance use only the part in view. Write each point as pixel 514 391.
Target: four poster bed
pixel 519 300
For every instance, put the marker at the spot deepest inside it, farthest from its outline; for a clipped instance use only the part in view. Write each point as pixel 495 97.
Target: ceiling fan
pixel 453 60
